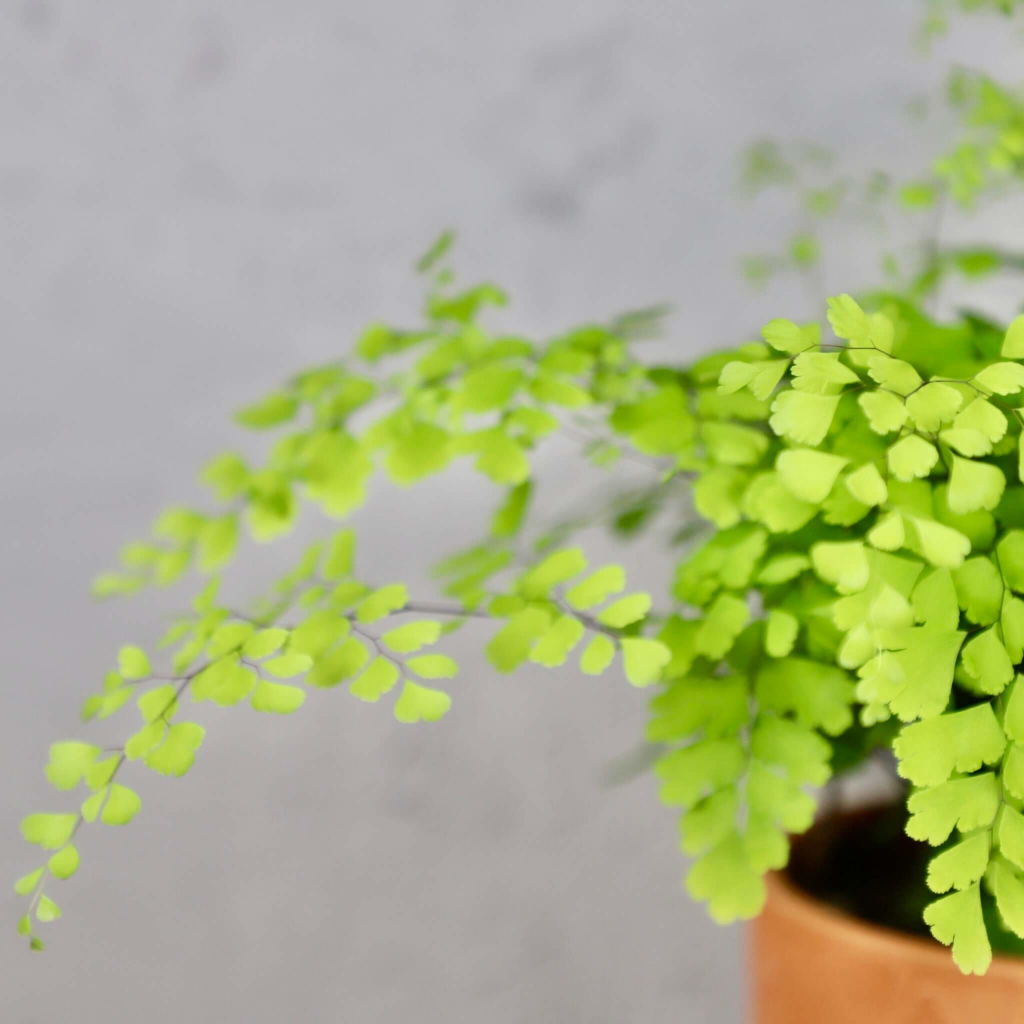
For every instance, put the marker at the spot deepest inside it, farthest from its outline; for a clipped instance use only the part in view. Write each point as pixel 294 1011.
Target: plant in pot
pixel 854 593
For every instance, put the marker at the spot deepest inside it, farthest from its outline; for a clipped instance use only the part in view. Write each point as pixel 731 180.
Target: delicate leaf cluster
pixel 456 391
pixel 882 532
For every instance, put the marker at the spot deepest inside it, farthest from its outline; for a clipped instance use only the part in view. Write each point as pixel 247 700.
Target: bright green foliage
pixel 47 910
pixel 69 762
pixel 114 804
pixel 598 655
pixel 382 603
pixel 626 610
pixel 49 831
pixel 555 645
pixel 433 666
pixel 780 633
pixel 132 663
pixel 65 863
pixel 412 636
pixel 177 753
pixel 278 698
pixel 858 586
pixel 421 704
pixel 378 679
pixel 930 750
pixel 957 920
pixel 597 587
pixel 644 659
pixel 964 804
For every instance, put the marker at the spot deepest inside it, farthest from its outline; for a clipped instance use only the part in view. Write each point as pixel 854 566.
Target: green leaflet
pixel 340 555
pixel 271 411
pixel 985 660
pixel 849 321
pixel 69 763
pixel 47 910
pixel 25 885
pixel 1011 559
pixel 217 542
pixel 421 704
pixel 65 863
pixel 133 663
pixel 113 805
pixel 801 751
pixel 412 636
pixel 726 880
pixel 708 822
pixel 177 753
pixel 885 411
pixel 228 638
pixel 509 517
pixel 342 662
pixel 625 611
pixel 597 587
pixel 382 603
pixel 598 655
pixel 819 695
pixel 962 865
pixel 781 633
pixel 733 445
pixel 417 451
pixel 313 636
pixel 558 567
pixel 788 337
pixel 699 769
pixel 915 676
pixel 379 678
pixel 979 589
pixel 802 417
pixel 974 485
pixel 1011 835
pixel 807 474
pixel 433 666
pixel 930 751
pixel 956 920
pixel 48 831
pixel 844 564
pixel 511 645
pixel 717 707
pixel 767 501
pixel 1013 341
pixel 933 405
pixel 940 545
pixel 911 458
pixel 722 623
pixel 964 804
pixel 821 373
pixel 555 645
pixel 643 659
pixel 867 485
pixel 1008 889
pixel 277 698
pixel 889 533
pixel 893 374
pixel 1001 378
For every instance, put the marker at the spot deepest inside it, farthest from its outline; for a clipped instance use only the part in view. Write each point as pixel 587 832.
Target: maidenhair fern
pixel 861 584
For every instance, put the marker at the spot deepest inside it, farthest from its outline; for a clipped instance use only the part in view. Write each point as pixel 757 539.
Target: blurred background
pixel 198 198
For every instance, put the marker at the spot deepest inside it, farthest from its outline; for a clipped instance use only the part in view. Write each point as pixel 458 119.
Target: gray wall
pixel 197 197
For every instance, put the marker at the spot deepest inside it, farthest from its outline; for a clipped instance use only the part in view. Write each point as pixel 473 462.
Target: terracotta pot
pixel 814 964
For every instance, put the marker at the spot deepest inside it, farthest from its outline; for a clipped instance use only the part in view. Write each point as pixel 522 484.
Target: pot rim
pixel 845 929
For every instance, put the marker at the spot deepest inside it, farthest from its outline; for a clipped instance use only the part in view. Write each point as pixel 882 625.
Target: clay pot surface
pixel 812 964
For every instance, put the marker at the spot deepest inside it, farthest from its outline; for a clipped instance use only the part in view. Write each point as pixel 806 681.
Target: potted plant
pixel 855 592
